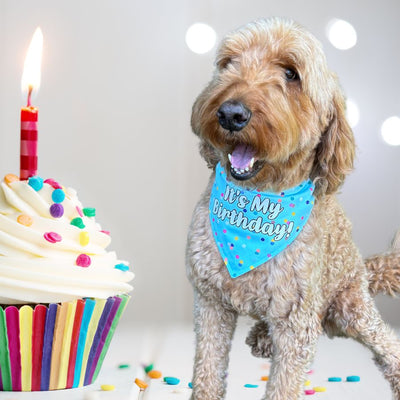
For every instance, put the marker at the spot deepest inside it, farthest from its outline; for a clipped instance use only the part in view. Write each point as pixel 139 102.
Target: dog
pixel 272 120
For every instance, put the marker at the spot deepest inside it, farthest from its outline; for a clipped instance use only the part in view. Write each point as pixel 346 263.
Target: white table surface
pixel 171 350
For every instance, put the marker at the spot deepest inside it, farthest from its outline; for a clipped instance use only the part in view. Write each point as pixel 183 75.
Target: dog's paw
pixel 259 340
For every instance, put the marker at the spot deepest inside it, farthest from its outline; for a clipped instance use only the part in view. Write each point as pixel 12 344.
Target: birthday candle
pixel 29 137
pixel 29 115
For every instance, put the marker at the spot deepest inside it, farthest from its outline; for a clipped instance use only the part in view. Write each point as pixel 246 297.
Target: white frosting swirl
pixel 36 270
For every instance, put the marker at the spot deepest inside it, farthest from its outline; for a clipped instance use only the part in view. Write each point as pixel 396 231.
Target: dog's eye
pixel 291 74
pixel 224 62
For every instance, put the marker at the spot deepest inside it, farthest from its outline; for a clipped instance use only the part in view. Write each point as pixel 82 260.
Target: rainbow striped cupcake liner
pixel 59 346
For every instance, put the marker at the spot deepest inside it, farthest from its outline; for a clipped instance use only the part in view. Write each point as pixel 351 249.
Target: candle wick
pixel 30 88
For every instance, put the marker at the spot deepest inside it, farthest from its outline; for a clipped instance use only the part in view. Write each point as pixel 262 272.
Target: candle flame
pixel 31 76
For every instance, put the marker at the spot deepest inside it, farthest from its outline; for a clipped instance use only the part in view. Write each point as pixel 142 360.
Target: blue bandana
pixel 251 227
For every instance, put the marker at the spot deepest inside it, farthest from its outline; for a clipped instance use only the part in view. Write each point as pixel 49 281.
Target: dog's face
pixel 269 104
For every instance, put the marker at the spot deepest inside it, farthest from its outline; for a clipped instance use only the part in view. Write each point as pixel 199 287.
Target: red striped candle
pixel 29 138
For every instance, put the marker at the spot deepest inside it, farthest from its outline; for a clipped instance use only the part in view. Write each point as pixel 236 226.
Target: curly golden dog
pixel 273 117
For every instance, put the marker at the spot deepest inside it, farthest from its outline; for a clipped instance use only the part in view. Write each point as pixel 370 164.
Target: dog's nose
pixel 233 115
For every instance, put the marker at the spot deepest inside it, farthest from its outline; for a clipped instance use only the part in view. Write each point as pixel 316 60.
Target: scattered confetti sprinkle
pixel 107 388
pixel 124 366
pixel 148 368
pixel 319 389
pixel 170 380
pixel 141 384
pixel 153 374
pixel 307 383
pixel 250 385
pixel 190 384
pixel 353 378
pixel 309 392
pixel 334 379
pixel 265 378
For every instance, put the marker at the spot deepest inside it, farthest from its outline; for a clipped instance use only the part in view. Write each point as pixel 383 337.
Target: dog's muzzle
pixel 233 115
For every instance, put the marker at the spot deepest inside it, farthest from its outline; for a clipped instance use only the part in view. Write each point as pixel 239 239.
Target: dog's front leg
pixel 294 343
pixel 214 327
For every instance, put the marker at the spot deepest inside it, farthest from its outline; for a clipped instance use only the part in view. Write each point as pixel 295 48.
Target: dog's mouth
pixel 244 163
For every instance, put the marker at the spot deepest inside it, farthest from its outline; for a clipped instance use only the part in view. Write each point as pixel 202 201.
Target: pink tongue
pixel 241 156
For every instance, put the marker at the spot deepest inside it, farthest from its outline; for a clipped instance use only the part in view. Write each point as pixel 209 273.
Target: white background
pixel 118 83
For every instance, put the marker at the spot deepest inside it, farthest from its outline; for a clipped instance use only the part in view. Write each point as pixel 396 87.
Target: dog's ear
pixel 207 151
pixel 335 152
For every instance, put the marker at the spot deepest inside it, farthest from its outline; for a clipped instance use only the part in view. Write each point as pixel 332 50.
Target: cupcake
pixel 61 292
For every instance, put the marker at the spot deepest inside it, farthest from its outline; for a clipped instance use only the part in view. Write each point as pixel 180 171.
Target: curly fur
pixel 320 283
